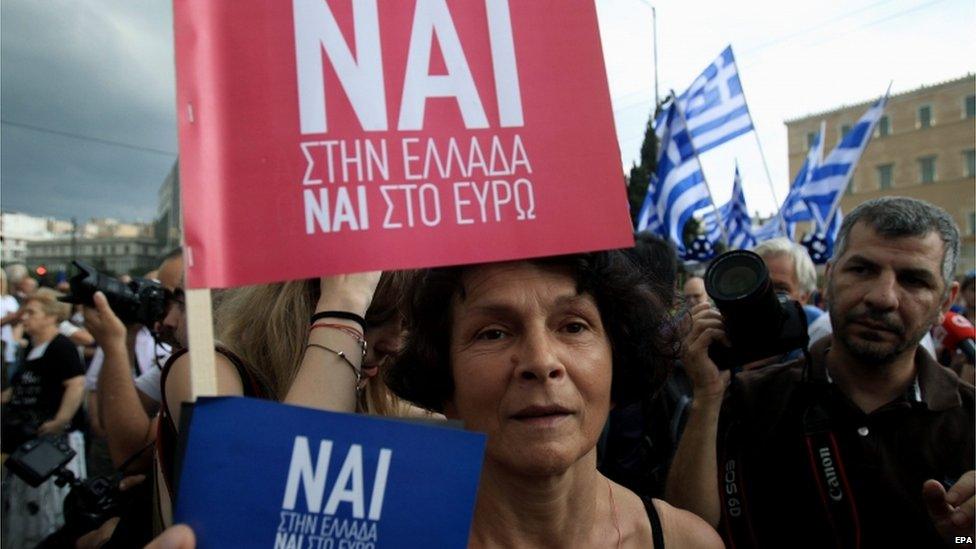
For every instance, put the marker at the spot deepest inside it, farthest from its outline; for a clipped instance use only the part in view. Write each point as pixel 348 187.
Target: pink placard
pixel 332 136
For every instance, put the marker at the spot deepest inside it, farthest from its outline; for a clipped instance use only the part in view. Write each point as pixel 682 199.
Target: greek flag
pixel 713 220
pixel 794 209
pixel 823 191
pixel 735 213
pixel 734 217
pixel 678 190
pixel 714 105
pixel 647 218
pixel 772 228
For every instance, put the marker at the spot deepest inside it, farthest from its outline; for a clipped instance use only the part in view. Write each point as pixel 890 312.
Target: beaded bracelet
pixel 351 332
pixel 358 372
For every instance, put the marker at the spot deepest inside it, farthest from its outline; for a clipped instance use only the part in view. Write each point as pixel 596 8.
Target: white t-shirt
pixel 150 358
pixel 67 329
pixel 8 304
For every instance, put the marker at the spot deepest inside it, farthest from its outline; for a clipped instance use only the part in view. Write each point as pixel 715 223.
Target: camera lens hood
pixel 736 276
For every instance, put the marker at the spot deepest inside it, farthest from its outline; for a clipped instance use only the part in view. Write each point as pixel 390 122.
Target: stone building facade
pixel 923 147
pixel 113 255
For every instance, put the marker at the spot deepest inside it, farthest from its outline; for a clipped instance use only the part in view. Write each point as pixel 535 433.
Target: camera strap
pixel 732 491
pixel 827 465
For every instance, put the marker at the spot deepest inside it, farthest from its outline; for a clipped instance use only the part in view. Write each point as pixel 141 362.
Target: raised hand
pixel 952 511
pixel 349 292
pixel 707 327
pixel 102 322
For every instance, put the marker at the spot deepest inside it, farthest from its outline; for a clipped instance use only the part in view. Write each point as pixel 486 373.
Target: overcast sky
pixel 88 124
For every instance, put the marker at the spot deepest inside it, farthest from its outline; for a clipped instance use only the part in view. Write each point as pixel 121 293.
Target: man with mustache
pixel 867 441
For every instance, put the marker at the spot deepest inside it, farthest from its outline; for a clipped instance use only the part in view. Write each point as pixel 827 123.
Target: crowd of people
pixel 608 422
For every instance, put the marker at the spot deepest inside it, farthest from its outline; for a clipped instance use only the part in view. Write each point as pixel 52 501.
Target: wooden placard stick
pixel 199 318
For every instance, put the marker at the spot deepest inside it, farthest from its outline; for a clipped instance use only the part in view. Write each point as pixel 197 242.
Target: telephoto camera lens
pixel 759 323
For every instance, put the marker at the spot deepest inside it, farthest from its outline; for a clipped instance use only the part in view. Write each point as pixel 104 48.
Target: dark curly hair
pixel 631 310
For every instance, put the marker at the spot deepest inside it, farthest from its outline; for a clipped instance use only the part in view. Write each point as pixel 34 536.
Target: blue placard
pixel 262 474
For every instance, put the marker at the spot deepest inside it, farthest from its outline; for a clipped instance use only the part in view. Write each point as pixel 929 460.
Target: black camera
pixel 89 503
pixel 759 322
pixel 142 300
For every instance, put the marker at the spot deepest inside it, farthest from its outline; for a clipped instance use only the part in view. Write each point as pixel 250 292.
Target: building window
pixel 926 169
pixel 884 176
pixel 844 130
pixel 970 110
pixel 884 126
pixel 924 117
pixel 970 167
pixel 811 139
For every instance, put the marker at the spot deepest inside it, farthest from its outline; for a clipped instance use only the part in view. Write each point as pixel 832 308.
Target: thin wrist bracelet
pixel 345 315
pixel 351 332
pixel 358 372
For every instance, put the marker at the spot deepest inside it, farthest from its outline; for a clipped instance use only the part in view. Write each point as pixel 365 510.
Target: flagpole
pixel 769 178
pixel 657 99
pixel 694 150
pixel 822 227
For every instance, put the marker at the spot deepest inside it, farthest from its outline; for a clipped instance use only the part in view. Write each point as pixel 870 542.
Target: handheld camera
pixel 140 301
pixel 759 322
pixel 89 503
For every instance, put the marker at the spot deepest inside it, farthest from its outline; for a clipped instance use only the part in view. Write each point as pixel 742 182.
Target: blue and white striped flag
pixel 772 228
pixel 713 220
pixel 794 209
pixel 647 218
pixel 735 213
pixel 733 216
pixel 714 105
pixel 679 189
pixel 822 193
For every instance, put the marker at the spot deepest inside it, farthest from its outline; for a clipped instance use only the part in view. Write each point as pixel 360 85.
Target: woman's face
pixel 531 364
pixel 383 341
pixel 35 319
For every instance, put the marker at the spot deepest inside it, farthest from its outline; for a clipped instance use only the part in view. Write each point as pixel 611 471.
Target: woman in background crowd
pixel 44 400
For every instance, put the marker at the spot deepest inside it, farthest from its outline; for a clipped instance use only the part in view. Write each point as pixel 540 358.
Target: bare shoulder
pixel 178 388
pixel 680 528
pixel 685 529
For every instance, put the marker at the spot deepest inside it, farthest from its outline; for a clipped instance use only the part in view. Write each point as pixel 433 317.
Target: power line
pixel 87 138
pixel 801 32
pixel 879 21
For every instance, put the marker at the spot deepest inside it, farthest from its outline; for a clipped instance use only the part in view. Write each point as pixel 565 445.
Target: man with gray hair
pixel 867 441
pixel 791 272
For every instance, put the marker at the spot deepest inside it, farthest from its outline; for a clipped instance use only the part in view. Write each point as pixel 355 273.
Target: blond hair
pixel 267 327
pixel 48 300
